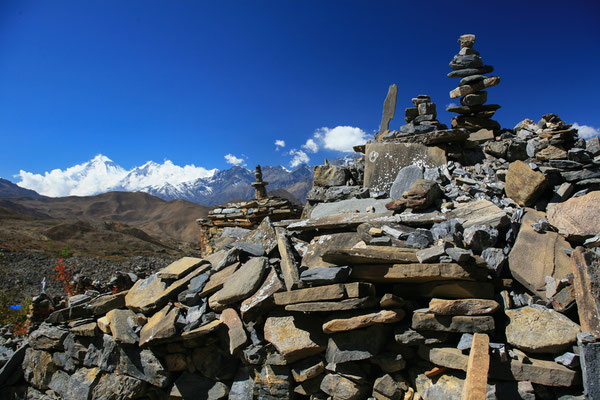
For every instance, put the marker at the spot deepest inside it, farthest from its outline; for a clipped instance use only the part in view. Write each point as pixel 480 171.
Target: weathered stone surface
pixel 590 367
pixel 196 386
pixel 405 178
pixel 431 254
pixel 294 337
pixel 142 365
pixel 325 275
pixel 144 293
pixel 320 293
pixel 536 329
pixel 475 387
pixel 160 327
pixel 243 283
pixel 463 307
pixel 423 320
pixel 446 386
pixel 180 268
pixel 79 385
pixel 329 175
pixel 550 259
pixel 214 362
pixel 85 330
pixel 48 337
pixel 223 258
pixel 384 160
pixel 38 368
pixel 586 280
pixel 342 221
pixel 122 324
pixel 417 273
pixel 321 244
pixel 243 386
pixel 216 280
pixel 103 304
pixel 476 87
pixel 479 212
pixel 389 108
pixel 370 255
pixel 330 306
pixel 537 371
pixel 235 329
pixel 118 387
pixel 341 388
pixel 450 289
pixel 202 331
pixel 349 206
pixel 523 184
pixel 577 217
pixel 289 268
pixel 263 297
pixel 362 321
pixel 265 234
pixel 307 369
pixel 357 345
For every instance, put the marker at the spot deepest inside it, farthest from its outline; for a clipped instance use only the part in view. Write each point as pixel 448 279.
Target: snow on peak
pixel 101 174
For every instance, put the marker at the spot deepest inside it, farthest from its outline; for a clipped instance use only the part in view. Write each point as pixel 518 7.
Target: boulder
pixel 536 329
pixel 578 217
pixel 405 178
pixel 523 184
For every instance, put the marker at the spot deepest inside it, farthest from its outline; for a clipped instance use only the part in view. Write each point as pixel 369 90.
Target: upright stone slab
pixel 586 279
pixel 289 269
pixel 389 108
pixel 383 161
pixel 349 206
pixel 590 368
pixel 475 387
pixel 404 180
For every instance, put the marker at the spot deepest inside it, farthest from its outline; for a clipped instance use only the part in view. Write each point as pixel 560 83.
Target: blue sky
pixel 193 81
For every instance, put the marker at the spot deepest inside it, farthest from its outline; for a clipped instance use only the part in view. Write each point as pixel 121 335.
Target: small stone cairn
pixel 422 118
pixel 468 65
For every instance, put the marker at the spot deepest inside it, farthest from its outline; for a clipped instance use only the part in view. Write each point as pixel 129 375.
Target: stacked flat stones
pixel 422 118
pixel 468 65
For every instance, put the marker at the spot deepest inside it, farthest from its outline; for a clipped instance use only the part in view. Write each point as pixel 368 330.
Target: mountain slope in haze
pixel 9 189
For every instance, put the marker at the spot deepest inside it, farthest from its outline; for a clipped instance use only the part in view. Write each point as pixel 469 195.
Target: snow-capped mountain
pixel 166 180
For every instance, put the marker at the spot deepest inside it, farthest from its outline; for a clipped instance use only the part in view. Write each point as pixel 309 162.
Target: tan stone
pixel 330 306
pixel 586 280
pixel 349 221
pixel 235 329
pixel 384 160
pixel 412 272
pixel 320 293
pixel 307 369
pixel 523 184
pixel 578 216
pixel 320 245
pixel 294 337
pixel 103 324
pixel 289 268
pixel 448 323
pixel 263 296
pixel 479 212
pixel 86 330
pixel 550 259
pixel 216 281
pixel 370 255
pixel 362 321
pixel 202 331
pixel 241 285
pixel 475 387
pixel 463 307
pixel 179 268
pixel 476 87
pixel 160 327
pixel 449 289
pixel 536 329
pixel 551 152
pixel 144 293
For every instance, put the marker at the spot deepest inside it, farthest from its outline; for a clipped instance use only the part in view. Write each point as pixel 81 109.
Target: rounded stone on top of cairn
pixel 468 65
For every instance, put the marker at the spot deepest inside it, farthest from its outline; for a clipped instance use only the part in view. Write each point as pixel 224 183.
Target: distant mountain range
pixel 166 181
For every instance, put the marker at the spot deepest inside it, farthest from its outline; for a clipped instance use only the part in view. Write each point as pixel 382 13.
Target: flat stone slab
pixel 475 387
pixel 263 297
pixel 179 268
pixel 449 289
pixel 320 245
pixel 370 255
pixel 160 327
pixel 120 326
pixel 587 290
pixel 217 280
pixel 340 221
pixel 320 293
pixel 406 177
pixel 542 372
pixel 418 273
pixel 202 331
pixel 577 217
pixel 239 286
pixel 361 344
pixel 536 329
pixel 463 307
pixel 235 329
pixel 362 321
pixel 383 161
pixel 294 337
pixel 349 206
pixel 330 306
pixel 289 268
pixel 479 212
pixel 550 259
pixel 446 323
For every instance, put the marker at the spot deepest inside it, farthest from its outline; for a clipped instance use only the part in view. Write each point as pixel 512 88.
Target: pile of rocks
pixel 468 65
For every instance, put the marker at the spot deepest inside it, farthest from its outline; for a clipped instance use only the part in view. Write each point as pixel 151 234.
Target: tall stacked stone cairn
pixel 468 66
pixel 479 279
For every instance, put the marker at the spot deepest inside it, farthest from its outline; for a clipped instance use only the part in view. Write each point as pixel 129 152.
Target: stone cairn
pixel 259 186
pixel 474 278
pixel 468 65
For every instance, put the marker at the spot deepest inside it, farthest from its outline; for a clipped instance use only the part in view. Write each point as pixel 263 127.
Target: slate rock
pixel 253 249
pixel 523 185
pixel 494 257
pixel 189 386
pixel 118 387
pixel 38 368
pixel 578 217
pixel 405 178
pixel 529 331
pixel 180 268
pixel 122 326
pixel 214 362
pixel 325 275
pixel 480 237
pixel 463 306
pixel 330 175
pixel 361 344
pixel 362 321
pixel 48 337
pixel 348 206
pixel 423 320
pixel 420 239
pixel 143 365
pixel 223 258
pixel 341 388
pixel 295 337
pixel 160 327
pixel 239 286
pixel 459 255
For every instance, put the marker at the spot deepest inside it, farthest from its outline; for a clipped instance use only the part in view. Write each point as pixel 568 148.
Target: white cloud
pixel 233 160
pixel 300 157
pixel 279 143
pixel 311 146
pixel 586 131
pixel 341 138
pixel 451 105
pixel 101 174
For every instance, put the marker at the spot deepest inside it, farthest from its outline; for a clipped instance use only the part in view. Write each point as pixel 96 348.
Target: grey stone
pixel 234 232
pixel 197 283
pixel 223 258
pixel 432 254
pixel 389 108
pixel 471 79
pixel 420 238
pixel 450 229
pixel 593 145
pixel 486 69
pixel 118 387
pixel 494 257
pixel 590 368
pixel 466 340
pixel 243 386
pixel 48 337
pixel 12 364
pixel 468 61
pixel 325 275
pixel 474 99
pixel 480 237
pixel 459 255
pixel 190 386
pixel 568 359
pixel 253 249
pixel 241 284
pixel 143 365
pixel 341 388
pixel 406 177
pixel 356 345
pixel 349 206
pixel 423 320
